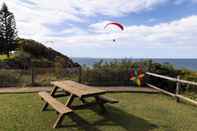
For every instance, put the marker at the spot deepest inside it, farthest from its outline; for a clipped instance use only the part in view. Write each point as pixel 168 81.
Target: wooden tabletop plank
pixel 78 89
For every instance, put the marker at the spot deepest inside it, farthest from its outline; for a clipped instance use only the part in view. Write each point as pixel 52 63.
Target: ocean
pixel 190 64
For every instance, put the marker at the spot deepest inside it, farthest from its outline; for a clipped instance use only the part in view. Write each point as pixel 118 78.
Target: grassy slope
pixel 135 112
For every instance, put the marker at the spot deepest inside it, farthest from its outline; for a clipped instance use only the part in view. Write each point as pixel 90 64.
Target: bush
pixel 23 59
pixel 117 73
pixel 7 78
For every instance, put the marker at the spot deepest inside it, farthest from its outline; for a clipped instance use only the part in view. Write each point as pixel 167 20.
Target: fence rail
pixel 178 86
pixel 172 79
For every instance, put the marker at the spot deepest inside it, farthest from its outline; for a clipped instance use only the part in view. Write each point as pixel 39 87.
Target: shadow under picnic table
pixel 124 119
pixel 114 117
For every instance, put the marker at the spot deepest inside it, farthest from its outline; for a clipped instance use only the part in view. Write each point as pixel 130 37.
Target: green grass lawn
pixel 4 57
pixel 135 112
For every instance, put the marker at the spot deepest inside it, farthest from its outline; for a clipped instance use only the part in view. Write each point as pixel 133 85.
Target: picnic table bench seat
pixel 58 106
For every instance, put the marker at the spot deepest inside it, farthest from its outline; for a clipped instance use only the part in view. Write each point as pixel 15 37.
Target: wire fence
pixel 36 76
pixel 43 76
pixel 98 77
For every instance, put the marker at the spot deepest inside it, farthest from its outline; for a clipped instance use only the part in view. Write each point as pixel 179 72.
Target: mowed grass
pixel 4 57
pixel 134 112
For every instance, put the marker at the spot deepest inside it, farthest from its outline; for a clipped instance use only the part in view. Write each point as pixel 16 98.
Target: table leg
pixel 83 100
pixel 59 120
pixel 54 90
pixel 70 100
pixel 52 94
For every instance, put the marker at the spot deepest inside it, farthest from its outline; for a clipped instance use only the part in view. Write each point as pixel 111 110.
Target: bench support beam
pixel 70 100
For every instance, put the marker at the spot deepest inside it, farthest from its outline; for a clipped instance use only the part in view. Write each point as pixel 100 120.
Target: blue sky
pixel 153 28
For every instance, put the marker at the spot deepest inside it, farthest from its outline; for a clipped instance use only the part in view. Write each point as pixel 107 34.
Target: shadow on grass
pixel 114 117
pixel 81 123
pixel 125 120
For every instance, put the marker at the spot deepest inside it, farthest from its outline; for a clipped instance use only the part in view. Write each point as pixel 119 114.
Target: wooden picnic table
pixel 78 89
pixel 74 90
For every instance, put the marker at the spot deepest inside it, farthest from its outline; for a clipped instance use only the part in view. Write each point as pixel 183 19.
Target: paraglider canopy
pixel 115 24
pixel 113 28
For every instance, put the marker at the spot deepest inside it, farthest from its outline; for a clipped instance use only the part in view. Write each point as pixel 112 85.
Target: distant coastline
pixel 190 64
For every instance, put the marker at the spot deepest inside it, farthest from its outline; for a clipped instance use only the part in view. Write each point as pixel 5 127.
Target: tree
pixel 8 33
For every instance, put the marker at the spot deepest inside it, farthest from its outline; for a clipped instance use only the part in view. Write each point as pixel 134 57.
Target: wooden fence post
pixel 32 73
pixel 87 75
pixel 177 89
pixel 80 74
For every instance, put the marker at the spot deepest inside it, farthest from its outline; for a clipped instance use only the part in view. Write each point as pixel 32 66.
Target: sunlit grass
pixel 5 57
pixel 134 112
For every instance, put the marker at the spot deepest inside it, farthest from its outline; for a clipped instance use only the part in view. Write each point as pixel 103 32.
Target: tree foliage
pixel 8 33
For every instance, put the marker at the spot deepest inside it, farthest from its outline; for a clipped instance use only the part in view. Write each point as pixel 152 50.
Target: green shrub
pixel 8 77
pixel 117 73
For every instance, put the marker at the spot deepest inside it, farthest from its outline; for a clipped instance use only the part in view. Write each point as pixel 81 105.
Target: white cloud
pixel 98 27
pixel 32 16
pixel 114 7
pixel 176 34
pixel 31 19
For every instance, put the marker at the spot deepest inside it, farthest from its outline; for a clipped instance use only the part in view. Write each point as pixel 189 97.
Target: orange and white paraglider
pixel 114 27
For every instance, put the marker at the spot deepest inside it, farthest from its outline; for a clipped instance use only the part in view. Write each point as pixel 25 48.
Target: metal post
pixel 177 89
